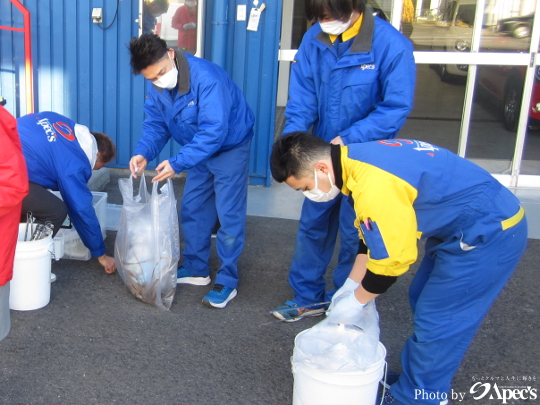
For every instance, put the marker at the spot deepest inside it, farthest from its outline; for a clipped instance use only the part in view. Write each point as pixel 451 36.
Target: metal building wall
pixel 11 58
pixel 83 72
pixel 253 65
pixel 250 58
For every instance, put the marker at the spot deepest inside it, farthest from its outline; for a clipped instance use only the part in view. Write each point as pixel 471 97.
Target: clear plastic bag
pixel 340 348
pixel 147 246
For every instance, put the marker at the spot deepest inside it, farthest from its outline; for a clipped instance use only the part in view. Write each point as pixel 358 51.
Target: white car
pixel 454 34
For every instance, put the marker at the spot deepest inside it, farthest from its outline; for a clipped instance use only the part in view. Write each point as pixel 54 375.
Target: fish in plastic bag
pixel 340 348
pixel 147 246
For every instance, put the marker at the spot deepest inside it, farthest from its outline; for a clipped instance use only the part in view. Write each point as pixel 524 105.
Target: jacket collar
pixel 335 153
pixel 182 82
pixel 363 41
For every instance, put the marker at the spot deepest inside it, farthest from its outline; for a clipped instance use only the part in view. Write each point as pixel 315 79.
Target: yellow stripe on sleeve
pixel 514 220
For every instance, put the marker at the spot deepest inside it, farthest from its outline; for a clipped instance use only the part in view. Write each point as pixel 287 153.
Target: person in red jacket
pixel 13 188
pixel 185 21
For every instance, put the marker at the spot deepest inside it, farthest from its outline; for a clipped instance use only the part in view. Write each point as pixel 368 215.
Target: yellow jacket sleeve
pixel 385 202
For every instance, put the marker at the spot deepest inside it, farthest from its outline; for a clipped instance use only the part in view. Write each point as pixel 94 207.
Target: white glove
pixel 344 309
pixel 349 285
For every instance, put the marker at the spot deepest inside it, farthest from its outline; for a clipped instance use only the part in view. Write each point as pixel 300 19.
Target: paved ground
pixel 96 344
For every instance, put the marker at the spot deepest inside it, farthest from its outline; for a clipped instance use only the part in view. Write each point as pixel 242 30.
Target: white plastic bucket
pixel 316 387
pixel 31 283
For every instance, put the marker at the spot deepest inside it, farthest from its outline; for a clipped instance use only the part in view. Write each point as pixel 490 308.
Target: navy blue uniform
pixel 476 232
pixel 209 117
pixel 361 90
pixel 56 161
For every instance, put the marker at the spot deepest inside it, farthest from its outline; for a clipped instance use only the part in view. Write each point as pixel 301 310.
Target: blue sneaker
pixel 290 312
pixel 219 296
pixel 185 277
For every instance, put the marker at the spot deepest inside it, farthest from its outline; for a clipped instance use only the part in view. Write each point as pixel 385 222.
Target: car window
pixel 465 15
pixel 449 12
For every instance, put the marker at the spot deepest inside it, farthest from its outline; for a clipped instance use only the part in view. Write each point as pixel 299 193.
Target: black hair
pixel 106 148
pixel 159 6
pixel 295 154
pixel 337 9
pixel 145 51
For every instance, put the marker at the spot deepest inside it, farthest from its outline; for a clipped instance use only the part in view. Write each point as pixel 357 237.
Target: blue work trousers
pixel 315 242
pixel 450 296
pixel 214 189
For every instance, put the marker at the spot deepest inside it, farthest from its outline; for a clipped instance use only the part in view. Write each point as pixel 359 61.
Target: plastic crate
pixel 114 213
pixel 73 247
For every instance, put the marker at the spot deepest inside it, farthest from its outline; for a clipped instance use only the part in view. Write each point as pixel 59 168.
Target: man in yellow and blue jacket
pixel 404 190
pixel 352 81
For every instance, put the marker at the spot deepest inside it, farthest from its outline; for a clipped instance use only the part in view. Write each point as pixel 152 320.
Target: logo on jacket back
pixel 57 127
pixel 420 145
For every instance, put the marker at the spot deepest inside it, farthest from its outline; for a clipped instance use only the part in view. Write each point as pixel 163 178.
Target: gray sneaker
pixel 291 312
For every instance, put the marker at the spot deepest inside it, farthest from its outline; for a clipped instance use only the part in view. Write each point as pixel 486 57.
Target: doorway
pixel 478 81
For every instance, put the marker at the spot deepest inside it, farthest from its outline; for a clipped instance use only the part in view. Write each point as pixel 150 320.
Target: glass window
pixel 495 117
pixel 506 25
pixel 437 110
pixel 175 21
pixel 300 24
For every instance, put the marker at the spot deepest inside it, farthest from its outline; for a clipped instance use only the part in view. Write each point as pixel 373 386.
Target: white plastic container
pixel 315 387
pixel 72 245
pixel 69 243
pixel 114 212
pixel 30 287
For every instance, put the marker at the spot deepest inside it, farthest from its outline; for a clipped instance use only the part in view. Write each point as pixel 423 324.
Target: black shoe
pixel 391 378
pixel 384 397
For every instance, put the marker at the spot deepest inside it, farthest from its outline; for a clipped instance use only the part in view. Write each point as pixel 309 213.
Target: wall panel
pixel 83 72
pixel 80 70
pixel 252 63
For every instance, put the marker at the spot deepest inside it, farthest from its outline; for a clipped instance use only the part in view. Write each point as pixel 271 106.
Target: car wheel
pixel 512 104
pixel 522 31
pixel 445 76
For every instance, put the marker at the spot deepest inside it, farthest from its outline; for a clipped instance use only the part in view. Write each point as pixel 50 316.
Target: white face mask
pixel 335 27
pixel 319 195
pixel 169 79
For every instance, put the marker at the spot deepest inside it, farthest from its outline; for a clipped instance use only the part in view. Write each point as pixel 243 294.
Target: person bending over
pixel 403 189
pixel 60 156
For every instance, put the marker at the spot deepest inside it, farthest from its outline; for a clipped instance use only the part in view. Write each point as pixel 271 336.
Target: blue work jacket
pixel 406 189
pixel 205 113
pixel 56 161
pixel 361 89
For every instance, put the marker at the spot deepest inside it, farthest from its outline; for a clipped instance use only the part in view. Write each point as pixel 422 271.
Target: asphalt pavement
pixel 95 343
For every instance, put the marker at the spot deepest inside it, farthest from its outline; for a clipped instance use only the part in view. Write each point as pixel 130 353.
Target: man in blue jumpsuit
pixel 353 81
pixel 197 103
pixel 60 155
pixel 403 190
pixel 354 86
